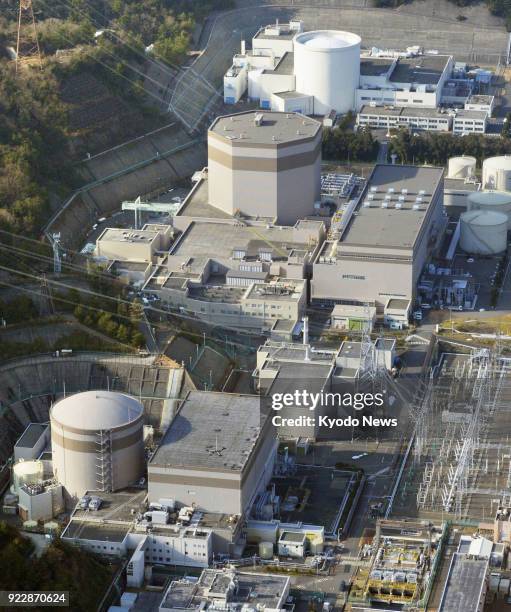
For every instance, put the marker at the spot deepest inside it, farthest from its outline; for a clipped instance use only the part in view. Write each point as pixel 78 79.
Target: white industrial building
pixel 97 441
pixel 228 590
pixel 323 73
pixel 216 455
pixel 382 242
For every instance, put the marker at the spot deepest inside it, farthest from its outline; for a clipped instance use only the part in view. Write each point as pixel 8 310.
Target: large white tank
pixel 97 441
pixel 497 173
pixel 27 472
pixel 483 232
pixel 498 201
pixel 462 167
pixel 327 66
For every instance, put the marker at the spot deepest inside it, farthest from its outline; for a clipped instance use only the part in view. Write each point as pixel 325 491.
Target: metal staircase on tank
pixel 104 460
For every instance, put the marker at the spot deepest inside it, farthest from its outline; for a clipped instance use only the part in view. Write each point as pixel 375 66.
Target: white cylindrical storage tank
pixel 97 441
pixel 461 167
pixel 327 66
pixel 497 173
pixel 498 201
pixel 27 472
pixel 483 232
pixel 266 550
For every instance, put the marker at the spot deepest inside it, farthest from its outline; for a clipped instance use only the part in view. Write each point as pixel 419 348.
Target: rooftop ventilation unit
pixel 390 190
pixel 399 205
pixel 416 206
pixel 374 189
pixel 258 119
pixel 367 203
pixel 418 200
pixel 384 204
pixel 387 198
pixel 370 196
pixel 404 191
pixel 422 192
pixel 401 198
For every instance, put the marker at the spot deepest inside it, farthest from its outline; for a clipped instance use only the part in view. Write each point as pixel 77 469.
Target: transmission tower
pixel 57 261
pixel 27 45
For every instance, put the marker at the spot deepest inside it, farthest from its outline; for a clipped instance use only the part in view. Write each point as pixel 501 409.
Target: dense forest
pixel 107 38
pixel 59 568
pixel 435 148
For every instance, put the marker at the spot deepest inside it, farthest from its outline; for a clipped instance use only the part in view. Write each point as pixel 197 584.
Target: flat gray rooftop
pixel 471 114
pixel 276 128
pixel 213 430
pixel 285 33
pixel 285 65
pixel 219 240
pixel 96 531
pixel 464 583
pixel 128 235
pixel 403 111
pixel 31 434
pixel 350 349
pixel 285 95
pixel 390 227
pixel 375 66
pixel 196 204
pixel 251 589
pixel 452 184
pixel 397 303
pixel 423 70
pixel 116 506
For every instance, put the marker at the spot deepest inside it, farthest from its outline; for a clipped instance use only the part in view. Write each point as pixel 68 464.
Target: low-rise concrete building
pixel 470 122
pixel 133 245
pixel 228 590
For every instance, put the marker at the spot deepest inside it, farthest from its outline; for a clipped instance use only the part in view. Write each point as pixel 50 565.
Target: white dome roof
pixel 328 39
pixel 94 410
pixel 326 42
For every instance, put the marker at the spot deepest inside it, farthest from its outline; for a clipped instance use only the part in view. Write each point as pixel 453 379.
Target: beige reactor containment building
pixel 265 165
pixel 97 441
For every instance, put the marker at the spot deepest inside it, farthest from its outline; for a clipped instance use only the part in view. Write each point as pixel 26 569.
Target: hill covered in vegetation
pixel 59 568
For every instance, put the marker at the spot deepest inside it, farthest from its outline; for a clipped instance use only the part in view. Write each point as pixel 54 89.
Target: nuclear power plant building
pixel 216 454
pixel 382 242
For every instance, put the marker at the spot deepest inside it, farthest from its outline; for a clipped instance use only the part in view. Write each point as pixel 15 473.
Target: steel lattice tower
pixel 27 44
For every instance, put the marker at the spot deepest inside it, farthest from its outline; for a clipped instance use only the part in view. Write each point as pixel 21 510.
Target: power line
pixel 118 299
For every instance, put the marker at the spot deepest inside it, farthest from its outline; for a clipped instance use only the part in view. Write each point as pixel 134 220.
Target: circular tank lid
pixel 490 198
pixel 328 39
pixel 484 217
pixel 95 410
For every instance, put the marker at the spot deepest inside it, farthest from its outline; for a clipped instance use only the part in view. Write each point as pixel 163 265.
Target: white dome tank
pixel 27 472
pixel 497 173
pixel 97 441
pixel 327 66
pixel 483 232
pixel 498 201
pixel 461 167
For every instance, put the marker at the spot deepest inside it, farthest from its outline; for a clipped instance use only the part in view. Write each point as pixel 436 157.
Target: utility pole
pixel 27 44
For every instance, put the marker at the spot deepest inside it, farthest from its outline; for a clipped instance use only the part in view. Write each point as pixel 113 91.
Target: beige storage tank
pixel 483 232
pixel 498 201
pixel 97 441
pixel 27 472
pixel 266 550
pixel 497 173
pixel 461 167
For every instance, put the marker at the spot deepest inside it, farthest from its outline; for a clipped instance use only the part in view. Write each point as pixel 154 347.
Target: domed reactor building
pixel 98 441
